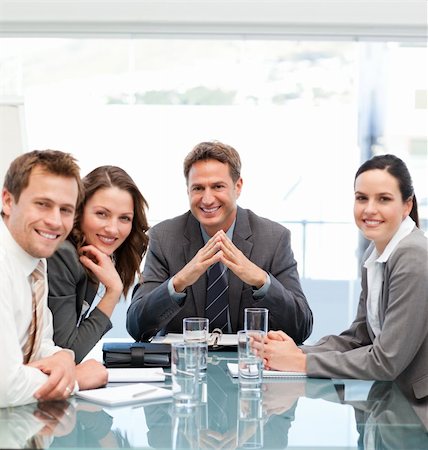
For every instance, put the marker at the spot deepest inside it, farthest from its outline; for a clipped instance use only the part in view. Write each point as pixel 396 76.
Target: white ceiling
pixel 341 18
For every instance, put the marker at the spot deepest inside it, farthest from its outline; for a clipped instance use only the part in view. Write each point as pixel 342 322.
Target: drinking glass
pixel 256 319
pixel 195 330
pixel 185 359
pixel 250 419
pixel 250 361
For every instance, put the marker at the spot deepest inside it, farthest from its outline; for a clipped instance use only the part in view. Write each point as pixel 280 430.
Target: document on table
pixel 355 390
pixel 125 395
pixel 223 340
pixel 233 370
pixel 135 375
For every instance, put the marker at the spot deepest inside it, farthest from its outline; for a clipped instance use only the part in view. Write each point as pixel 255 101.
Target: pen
pixel 139 394
pixel 184 372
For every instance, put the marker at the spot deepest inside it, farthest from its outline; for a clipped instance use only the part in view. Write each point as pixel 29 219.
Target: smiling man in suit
pixel 217 259
pixel 39 198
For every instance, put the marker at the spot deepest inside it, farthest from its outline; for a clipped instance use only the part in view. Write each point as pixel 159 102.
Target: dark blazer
pixel 174 242
pixel 400 351
pixel 69 287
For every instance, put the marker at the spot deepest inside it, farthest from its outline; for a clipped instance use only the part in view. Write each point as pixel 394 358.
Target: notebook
pixel 125 395
pixel 233 370
pixel 135 375
pixel 224 339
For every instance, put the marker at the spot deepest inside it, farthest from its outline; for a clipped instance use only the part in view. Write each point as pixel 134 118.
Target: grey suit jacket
pixel 174 242
pixel 400 351
pixel 69 287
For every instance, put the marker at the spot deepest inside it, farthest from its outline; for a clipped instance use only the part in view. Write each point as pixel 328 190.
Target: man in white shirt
pixel 39 198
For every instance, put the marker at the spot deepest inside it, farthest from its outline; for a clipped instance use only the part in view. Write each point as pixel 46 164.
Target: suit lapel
pixel 382 299
pixel 241 234
pixel 85 293
pixel 192 243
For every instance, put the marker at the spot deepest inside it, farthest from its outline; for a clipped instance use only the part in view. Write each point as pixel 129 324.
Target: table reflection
pixel 35 425
pixel 229 418
pixel 386 420
pixel 374 417
pixel 93 429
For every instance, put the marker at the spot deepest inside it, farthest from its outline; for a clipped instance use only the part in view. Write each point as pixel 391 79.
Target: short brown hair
pixel 129 255
pixel 214 150
pixel 52 161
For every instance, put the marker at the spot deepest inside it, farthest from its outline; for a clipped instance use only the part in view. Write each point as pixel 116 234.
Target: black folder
pixel 136 354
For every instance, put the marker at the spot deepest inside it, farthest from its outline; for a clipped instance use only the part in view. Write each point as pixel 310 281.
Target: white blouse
pixel 375 266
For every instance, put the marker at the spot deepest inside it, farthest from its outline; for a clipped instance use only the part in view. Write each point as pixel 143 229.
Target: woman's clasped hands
pixel 280 352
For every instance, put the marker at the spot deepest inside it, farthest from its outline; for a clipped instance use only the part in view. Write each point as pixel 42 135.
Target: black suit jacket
pixel 173 243
pixel 69 288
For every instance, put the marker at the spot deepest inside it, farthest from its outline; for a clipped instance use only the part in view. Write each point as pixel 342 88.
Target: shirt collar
pixel 405 228
pixel 372 258
pixel 229 232
pixel 10 246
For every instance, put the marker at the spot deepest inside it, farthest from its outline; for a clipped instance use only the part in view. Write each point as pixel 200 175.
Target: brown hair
pixel 129 255
pixel 214 150
pixel 52 161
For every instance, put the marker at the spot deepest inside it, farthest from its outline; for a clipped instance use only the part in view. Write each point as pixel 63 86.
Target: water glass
pixel 185 429
pixel 256 319
pixel 250 419
pixel 185 359
pixel 195 330
pixel 250 361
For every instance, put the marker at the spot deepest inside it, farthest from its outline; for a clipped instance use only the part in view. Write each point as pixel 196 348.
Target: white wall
pixel 12 133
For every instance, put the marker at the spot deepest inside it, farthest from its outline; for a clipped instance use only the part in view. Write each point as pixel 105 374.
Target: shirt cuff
pixel 68 350
pixel 177 296
pixel 259 293
pixel 76 387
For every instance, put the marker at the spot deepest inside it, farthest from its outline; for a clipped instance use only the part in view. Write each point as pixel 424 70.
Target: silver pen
pixel 141 393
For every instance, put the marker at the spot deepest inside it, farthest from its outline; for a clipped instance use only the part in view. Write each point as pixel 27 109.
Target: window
pixel 291 108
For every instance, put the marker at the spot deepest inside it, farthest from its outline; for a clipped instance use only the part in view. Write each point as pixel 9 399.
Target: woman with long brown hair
pixel 100 259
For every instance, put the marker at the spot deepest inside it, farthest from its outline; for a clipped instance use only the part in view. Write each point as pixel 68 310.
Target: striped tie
pixel 217 297
pixel 34 339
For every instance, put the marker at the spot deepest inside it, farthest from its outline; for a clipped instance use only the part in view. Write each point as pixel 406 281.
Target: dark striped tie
pixel 217 297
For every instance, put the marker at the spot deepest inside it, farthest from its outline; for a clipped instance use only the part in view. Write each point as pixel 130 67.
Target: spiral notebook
pixel 233 370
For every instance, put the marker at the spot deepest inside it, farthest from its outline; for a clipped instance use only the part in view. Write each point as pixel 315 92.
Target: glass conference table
pixel 287 413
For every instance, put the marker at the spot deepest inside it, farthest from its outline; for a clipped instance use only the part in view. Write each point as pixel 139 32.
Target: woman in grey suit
pixel 388 339
pixel 100 259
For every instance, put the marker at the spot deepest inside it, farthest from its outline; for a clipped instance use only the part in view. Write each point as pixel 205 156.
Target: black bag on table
pixel 136 354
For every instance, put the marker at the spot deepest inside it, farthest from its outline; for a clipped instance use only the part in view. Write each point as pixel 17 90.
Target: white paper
pixel 124 395
pixel 233 369
pixel 228 339
pixel 135 375
pixel 168 338
pixel 225 339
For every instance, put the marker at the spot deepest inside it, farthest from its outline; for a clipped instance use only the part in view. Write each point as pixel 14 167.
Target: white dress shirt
pixel 375 266
pixel 18 381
